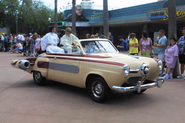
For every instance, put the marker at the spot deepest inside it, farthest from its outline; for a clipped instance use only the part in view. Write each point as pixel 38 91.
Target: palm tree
pixel 56 17
pixel 105 18
pixel 74 18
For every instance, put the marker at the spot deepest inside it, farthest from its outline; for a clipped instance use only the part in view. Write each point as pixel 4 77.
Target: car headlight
pixel 144 69
pixel 126 71
pixel 160 65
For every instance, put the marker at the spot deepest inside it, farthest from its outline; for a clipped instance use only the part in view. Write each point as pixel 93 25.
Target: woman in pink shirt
pixel 171 54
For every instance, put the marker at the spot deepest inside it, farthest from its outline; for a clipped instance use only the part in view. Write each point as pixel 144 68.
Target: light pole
pixel 56 17
pixel 74 17
pixel 105 18
pixel 16 21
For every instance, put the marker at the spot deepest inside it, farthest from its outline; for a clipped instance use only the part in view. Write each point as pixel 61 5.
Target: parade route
pixel 21 101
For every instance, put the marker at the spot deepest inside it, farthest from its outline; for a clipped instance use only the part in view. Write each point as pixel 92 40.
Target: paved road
pixel 21 101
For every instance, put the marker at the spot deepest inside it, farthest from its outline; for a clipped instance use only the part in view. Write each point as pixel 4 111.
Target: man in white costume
pixel 69 41
pixel 49 42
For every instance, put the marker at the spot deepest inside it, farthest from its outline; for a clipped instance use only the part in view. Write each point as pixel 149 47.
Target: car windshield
pixel 98 47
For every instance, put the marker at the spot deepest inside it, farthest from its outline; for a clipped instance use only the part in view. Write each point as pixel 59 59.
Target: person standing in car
pixel 69 41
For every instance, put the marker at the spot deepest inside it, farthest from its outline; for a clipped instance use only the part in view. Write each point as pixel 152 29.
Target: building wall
pixel 135 11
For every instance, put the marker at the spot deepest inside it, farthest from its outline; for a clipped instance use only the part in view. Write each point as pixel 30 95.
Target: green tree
pixel 31 16
pixel 60 16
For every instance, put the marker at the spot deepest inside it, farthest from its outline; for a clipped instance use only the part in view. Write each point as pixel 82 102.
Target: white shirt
pixel 2 38
pixel 19 37
pixel 67 41
pixel 22 38
pixel 30 37
pixel 37 41
pixel 19 45
pixel 49 38
pixel 49 43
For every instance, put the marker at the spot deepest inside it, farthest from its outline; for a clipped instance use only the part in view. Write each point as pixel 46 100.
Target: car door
pixel 67 69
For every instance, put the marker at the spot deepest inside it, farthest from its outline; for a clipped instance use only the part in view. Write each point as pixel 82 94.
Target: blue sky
pixel 115 3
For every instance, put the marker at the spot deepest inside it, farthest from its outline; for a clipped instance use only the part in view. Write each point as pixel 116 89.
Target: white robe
pixel 49 43
pixel 67 41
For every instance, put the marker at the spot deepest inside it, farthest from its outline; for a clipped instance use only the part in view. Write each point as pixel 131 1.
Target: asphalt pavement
pixel 21 101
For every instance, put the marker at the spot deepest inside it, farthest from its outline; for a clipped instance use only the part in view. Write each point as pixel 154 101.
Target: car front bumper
pixel 139 86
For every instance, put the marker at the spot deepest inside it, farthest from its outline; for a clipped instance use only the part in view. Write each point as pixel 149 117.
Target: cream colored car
pixel 98 66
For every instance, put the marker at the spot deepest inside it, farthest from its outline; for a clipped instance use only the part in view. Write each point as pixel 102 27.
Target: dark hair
pixel 172 38
pixel 120 37
pixel 162 31
pixel 145 34
pixel 132 35
pixel 51 28
pixel 183 28
pixel 78 6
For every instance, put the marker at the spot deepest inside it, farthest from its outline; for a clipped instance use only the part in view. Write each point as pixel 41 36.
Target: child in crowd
pixel 32 46
pixel 19 46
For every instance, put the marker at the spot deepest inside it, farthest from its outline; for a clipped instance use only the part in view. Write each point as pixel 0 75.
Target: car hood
pixel 133 61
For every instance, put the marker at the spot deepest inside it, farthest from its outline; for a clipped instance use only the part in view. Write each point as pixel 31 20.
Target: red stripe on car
pixel 88 60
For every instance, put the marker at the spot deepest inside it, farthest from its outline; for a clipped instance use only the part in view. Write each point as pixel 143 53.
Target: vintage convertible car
pixel 98 66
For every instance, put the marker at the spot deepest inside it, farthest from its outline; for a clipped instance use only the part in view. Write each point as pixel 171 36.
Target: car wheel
pixel 38 78
pixel 143 90
pixel 98 89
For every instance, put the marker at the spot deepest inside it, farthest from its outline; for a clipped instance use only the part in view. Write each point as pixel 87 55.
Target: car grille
pixel 133 80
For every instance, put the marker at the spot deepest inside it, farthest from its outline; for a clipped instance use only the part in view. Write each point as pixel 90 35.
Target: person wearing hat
pixel 69 41
pixel 49 42
pixel 171 54
pixel 31 35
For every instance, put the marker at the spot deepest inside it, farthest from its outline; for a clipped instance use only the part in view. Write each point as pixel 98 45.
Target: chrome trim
pixel 134 70
pixel 24 64
pixel 126 71
pixel 137 57
pixel 160 65
pixel 139 86
pixel 144 69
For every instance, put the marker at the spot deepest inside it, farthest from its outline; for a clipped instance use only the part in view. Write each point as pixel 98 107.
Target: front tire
pixel 98 89
pixel 38 78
